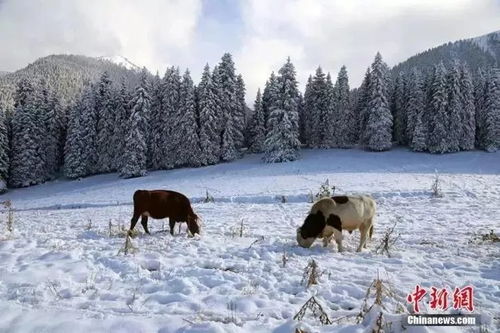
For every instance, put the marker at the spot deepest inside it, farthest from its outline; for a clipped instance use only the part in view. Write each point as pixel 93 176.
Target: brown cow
pixel 160 204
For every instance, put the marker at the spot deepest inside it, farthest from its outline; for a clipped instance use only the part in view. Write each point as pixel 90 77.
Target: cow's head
pixel 304 242
pixel 311 229
pixel 193 223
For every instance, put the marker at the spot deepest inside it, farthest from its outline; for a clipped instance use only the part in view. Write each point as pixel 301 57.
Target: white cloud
pixel 153 33
pixel 158 33
pixel 333 33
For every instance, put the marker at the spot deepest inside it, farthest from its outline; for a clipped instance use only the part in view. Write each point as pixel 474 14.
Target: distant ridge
pixel 67 74
pixel 482 51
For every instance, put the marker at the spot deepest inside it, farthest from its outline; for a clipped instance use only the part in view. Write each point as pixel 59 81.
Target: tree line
pixel 170 122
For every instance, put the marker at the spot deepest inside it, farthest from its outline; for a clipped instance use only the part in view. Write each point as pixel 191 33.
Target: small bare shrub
pixel 231 307
pixel 208 198
pixel 436 191
pixel 325 190
pixel 311 274
pixel 131 301
pixel 316 309
pixel 10 215
pixel 284 259
pixel 388 240
pixel 485 238
pixel 260 239
pixel 251 288
pixel 128 247
pixel 239 230
pixel 380 291
pixel 53 286
pixel 89 225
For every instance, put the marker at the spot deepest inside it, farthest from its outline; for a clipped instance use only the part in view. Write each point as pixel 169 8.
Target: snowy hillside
pixel 121 61
pixel 61 268
pixel 489 43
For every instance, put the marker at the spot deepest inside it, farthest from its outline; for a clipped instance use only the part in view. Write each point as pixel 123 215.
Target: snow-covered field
pixel 62 271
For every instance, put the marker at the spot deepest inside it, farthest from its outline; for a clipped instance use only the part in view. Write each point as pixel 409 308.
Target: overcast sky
pixel 259 33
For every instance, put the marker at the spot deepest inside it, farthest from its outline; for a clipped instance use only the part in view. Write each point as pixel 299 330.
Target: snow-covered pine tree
pixel 415 109
pixel 345 127
pixel 300 111
pixel 158 124
pixel 319 111
pixel 121 100
pixel 240 111
pixel 208 111
pixel 105 124
pixel 231 121
pixel 25 157
pixel 419 137
pixel 219 116
pixel 454 108
pixel 438 117
pixel 134 162
pixel 171 104
pixel 88 125
pixel 74 165
pixel 469 118
pixel 282 140
pixel 362 106
pixel 52 113
pixel 329 118
pixel 415 106
pixel 40 132
pixel 378 132
pixel 305 121
pixel 188 150
pixel 479 101
pixel 399 112
pixel 257 130
pixel 4 149
pixel 491 139
pixel 268 96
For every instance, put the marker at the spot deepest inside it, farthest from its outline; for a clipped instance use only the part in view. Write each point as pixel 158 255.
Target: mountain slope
pixel 483 51
pixel 68 73
pixel 489 43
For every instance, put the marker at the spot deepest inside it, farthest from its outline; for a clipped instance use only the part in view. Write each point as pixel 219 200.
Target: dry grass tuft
pixel 316 309
pixel 311 274
pixel 436 191
pixel 208 197
pixel 325 190
pixel 128 247
pixel 485 238
pixel 388 240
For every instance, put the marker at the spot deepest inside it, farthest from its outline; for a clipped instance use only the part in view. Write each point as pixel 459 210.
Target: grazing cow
pixel 160 204
pixel 329 216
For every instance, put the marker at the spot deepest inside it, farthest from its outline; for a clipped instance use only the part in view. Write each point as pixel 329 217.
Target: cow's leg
pixel 363 230
pixel 171 223
pixel 144 222
pixel 133 222
pixel 370 231
pixel 338 238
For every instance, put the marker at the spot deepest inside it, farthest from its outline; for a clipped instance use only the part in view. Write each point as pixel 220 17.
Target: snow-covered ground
pixel 61 270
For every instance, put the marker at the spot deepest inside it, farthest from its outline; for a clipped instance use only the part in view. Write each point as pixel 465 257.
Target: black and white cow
pixel 329 216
